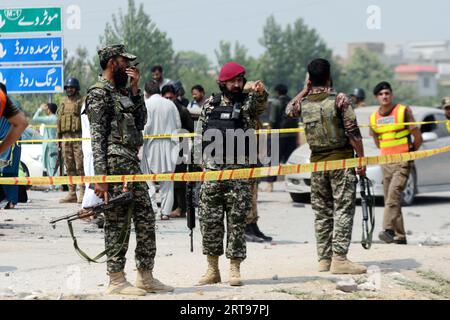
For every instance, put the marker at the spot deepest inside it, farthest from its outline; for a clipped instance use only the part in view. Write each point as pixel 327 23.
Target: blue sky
pixel 200 24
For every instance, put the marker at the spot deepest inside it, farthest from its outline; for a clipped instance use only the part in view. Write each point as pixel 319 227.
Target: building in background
pixel 422 77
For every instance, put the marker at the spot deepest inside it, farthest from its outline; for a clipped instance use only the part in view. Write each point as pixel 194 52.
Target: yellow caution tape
pixel 235 174
pixel 262 132
pixel 38 126
pixel 170 136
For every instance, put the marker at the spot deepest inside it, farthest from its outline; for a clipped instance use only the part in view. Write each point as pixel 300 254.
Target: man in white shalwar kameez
pixel 89 199
pixel 160 155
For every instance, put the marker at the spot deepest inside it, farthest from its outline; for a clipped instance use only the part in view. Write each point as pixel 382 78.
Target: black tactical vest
pixel 226 120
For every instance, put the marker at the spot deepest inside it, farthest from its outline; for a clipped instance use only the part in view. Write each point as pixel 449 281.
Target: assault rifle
pixel 367 204
pixel 190 206
pixel 123 199
pixel 95 210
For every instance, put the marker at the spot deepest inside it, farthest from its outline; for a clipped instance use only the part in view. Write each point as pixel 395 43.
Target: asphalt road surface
pixel 39 262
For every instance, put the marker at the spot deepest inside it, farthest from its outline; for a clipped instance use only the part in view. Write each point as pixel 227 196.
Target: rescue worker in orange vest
pixel 14 116
pixel 446 107
pixel 392 136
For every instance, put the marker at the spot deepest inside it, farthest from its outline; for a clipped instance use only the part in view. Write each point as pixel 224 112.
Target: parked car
pixel 428 174
pixel 31 157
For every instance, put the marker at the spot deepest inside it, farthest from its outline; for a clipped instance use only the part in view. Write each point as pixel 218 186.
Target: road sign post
pixel 31 54
pixel 33 79
pixel 20 20
pixel 31 50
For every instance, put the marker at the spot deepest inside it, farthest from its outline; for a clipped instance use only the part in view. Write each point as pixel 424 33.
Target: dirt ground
pixel 39 262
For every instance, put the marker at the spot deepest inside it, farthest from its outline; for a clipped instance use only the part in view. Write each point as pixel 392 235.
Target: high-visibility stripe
pixel 393 137
pixel 393 143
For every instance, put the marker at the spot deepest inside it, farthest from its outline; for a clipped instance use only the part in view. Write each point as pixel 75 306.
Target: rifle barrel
pixel 69 216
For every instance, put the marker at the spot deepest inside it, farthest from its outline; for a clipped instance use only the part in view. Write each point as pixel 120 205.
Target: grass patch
pixel 440 287
pixel 302 295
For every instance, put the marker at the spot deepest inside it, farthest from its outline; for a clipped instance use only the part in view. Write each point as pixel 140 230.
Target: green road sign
pixel 18 20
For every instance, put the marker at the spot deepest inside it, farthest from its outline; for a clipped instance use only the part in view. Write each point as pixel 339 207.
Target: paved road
pixel 36 259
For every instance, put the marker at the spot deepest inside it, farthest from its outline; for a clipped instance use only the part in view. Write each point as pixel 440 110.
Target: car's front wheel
pixel 409 193
pixel 26 173
pixel 300 197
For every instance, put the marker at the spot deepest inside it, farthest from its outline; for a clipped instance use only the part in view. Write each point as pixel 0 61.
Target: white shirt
pixel 163 83
pixel 194 108
pixel 160 155
pixel 89 198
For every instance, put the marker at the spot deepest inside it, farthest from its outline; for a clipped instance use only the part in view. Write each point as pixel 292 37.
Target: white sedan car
pixel 428 175
pixel 31 157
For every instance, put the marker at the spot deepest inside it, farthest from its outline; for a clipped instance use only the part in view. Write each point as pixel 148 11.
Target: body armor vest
pixel 324 128
pixel 123 125
pixel 227 120
pixel 70 116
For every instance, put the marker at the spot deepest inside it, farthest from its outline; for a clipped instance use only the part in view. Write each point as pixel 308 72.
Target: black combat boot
pixel 387 236
pixel 258 232
pixel 250 235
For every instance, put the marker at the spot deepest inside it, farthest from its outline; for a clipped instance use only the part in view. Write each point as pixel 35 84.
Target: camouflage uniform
pixel 333 195
pixel 329 124
pixel 233 198
pixel 116 119
pixel 69 127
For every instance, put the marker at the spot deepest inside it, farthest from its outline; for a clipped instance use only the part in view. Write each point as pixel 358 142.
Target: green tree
pixel 195 68
pixel 141 37
pixel 29 103
pixel 80 67
pixel 226 53
pixel 288 52
pixel 365 70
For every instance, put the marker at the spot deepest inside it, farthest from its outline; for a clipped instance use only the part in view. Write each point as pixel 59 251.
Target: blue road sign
pixel 33 79
pixel 31 50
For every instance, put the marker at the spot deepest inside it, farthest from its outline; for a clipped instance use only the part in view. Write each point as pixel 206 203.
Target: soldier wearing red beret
pixel 232 111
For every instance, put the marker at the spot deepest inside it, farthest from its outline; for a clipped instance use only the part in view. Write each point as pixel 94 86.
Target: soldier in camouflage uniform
pixel 117 115
pixel 69 127
pixel 332 133
pixel 233 109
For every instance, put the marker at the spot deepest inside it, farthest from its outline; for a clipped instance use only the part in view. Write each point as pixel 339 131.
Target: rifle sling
pixel 122 239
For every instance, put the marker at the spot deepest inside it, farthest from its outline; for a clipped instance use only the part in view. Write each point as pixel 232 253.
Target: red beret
pixel 230 70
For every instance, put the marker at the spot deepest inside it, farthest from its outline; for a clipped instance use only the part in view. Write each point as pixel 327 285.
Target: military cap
pixel 108 52
pixel 230 70
pixel 445 102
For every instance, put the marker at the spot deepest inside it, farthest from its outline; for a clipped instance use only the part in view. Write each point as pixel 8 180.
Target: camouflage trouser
pixel 333 196
pixel 143 218
pixel 395 177
pixel 252 216
pixel 219 198
pixel 73 155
